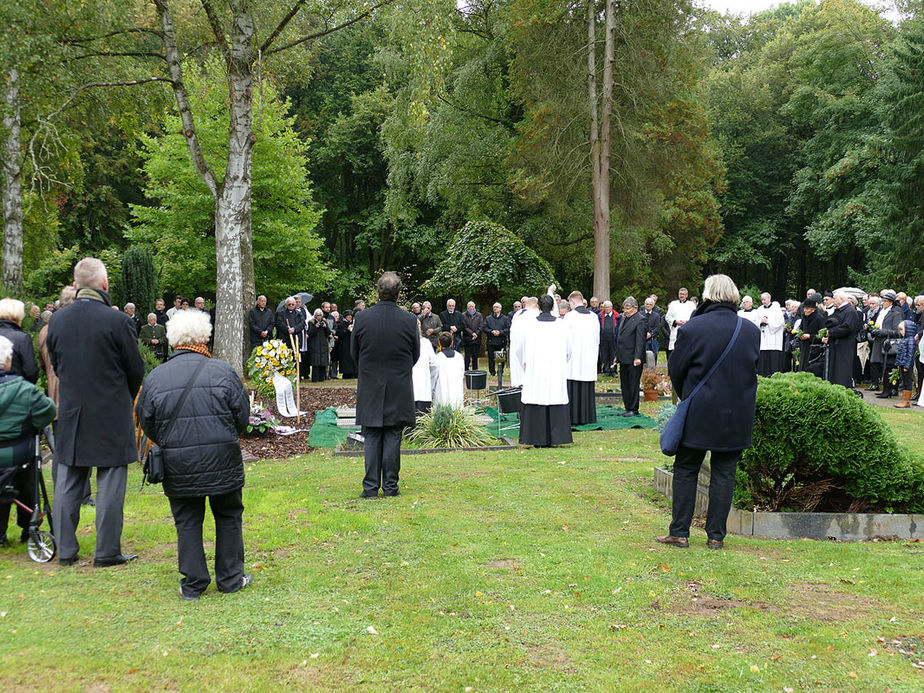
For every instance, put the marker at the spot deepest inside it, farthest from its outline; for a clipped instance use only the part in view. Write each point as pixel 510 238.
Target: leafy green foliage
pixel 151 361
pixel 447 427
pixel 488 262
pixel 138 285
pixel 818 446
pixel 180 228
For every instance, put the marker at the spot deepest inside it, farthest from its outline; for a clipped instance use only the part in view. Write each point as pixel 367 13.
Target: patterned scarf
pixel 198 348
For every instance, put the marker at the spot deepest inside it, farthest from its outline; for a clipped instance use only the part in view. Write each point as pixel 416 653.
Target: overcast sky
pixel 746 7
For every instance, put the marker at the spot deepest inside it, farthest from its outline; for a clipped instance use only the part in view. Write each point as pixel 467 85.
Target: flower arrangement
pixel 268 358
pixel 823 332
pixel 895 375
pixel 655 380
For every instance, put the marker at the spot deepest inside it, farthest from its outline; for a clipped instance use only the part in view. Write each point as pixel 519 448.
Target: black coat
pixel 501 323
pixel 24 362
pixel 889 330
pixel 344 356
pixel 630 344
pixel 385 346
pixel 290 318
pixel 470 324
pixel 843 326
pixel 812 353
pixel 318 353
pixel 94 351
pixel 453 319
pixel 607 321
pixel 260 320
pixel 202 455
pixel 721 416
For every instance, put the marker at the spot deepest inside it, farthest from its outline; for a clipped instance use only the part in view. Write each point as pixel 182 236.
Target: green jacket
pixel 23 410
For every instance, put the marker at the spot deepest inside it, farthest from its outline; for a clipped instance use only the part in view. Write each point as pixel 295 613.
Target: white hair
pixel 875 300
pixel 6 350
pixel 188 327
pixel 129 304
pixel 318 311
pixel 841 295
pixel 335 314
pixel 90 273
pixel 152 315
pixel 720 288
pixel 12 309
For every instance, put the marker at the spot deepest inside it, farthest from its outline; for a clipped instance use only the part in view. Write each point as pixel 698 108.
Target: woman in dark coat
pixel 12 312
pixel 344 335
pixel 202 455
pixel 720 418
pixel 812 354
pixel 318 346
pixel 885 329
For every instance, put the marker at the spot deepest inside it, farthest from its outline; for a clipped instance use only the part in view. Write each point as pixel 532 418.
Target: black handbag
pixel 891 345
pixel 154 460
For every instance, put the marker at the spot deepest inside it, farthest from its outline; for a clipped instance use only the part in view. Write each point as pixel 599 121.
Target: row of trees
pixel 312 143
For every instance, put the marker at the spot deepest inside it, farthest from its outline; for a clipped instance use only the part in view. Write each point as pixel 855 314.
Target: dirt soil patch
pixel 818 602
pixel 695 602
pixel 270 446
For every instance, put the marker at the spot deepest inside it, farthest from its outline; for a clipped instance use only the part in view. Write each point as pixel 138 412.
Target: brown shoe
pixel 906 400
pixel 677 542
pixel 714 544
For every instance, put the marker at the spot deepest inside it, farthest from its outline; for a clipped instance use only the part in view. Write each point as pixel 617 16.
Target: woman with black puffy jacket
pixel 202 455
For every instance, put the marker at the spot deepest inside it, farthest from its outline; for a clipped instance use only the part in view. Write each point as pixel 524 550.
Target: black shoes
pixel 68 561
pixel 885 394
pixel 392 495
pixel 628 413
pixel 121 559
pixel 369 494
pixel 715 544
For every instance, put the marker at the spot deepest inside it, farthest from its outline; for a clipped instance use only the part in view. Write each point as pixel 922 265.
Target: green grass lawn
pixel 525 570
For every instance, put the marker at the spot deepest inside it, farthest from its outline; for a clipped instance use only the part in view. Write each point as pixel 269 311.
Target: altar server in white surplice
pixel 584 333
pixel 423 374
pixel 449 376
pixel 770 320
pixel 522 323
pixel 544 417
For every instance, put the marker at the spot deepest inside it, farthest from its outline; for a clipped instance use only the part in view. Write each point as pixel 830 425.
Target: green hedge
pixel 819 447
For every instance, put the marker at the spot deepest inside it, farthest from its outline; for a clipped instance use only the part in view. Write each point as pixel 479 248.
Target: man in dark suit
pixel 452 323
pixel 385 346
pixel 261 320
pixel 630 353
pixel 94 352
pixel 472 324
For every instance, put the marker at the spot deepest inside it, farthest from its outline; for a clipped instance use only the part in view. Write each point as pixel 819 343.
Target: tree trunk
pixel 600 163
pixel 12 189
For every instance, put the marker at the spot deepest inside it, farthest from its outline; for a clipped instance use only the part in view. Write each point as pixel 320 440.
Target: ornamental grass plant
pixel 447 427
pixel 819 447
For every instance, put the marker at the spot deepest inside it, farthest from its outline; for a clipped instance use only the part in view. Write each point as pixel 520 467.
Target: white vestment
pixel 545 356
pixel 449 383
pixel 751 316
pixel 424 371
pixel 584 333
pixel 771 334
pixel 519 327
pixel 678 311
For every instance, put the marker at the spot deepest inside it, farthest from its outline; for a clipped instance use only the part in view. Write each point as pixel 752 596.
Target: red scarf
pixel 198 348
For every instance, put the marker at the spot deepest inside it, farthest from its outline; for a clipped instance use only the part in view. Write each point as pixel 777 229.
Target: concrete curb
pixel 826 526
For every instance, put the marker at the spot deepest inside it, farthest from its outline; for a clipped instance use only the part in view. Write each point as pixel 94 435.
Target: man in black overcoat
pixel 843 326
pixel 94 351
pixel 385 346
pixel 452 323
pixel 630 353
pixel 261 320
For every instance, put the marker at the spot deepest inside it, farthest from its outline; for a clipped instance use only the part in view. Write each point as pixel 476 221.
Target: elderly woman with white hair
pixel 12 312
pixel 318 347
pixel 193 407
pixel 720 418
pixel 23 409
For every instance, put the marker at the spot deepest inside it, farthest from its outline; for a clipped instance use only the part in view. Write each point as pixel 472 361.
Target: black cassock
pixel 812 354
pixel 286 319
pixel 344 357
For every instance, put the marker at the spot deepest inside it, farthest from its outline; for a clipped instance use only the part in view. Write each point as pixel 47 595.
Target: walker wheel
pixel 41 546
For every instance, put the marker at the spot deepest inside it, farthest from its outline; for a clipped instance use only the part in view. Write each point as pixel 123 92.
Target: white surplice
pixel 545 356
pixel 584 333
pixel 449 381
pixel 424 372
pixel 678 311
pixel 771 334
pixel 521 324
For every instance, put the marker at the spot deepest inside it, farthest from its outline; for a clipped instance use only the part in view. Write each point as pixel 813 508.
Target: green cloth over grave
pixel 325 433
pixel 608 419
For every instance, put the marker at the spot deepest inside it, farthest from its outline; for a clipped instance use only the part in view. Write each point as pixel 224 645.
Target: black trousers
pixel 382 452
pixel 629 378
pixel 887 367
pixel 875 371
pixel 491 349
pixel 188 516
pixel 471 356
pixel 332 368
pixel 607 354
pixel 920 367
pixel 318 374
pixel 721 488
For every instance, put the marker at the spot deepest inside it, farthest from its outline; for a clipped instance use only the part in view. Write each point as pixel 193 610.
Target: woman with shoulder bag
pixel 193 407
pixel 886 330
pixel 720 413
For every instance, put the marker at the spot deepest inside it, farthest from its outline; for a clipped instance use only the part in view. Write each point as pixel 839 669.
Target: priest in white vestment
pixel 422 374
pixel 584 333
pixel 545 419
pixel 771 321
pixel 678 314
pixel 519 327
pixel 449 375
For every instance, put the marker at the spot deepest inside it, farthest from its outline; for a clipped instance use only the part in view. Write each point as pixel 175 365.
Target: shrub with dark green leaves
pixel 819 447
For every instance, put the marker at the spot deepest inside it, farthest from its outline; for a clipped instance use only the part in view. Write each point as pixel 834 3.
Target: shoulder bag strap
pixel 728 347
pixel 179 406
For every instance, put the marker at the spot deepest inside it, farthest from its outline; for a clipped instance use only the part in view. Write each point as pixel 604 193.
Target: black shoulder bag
pixel 154 462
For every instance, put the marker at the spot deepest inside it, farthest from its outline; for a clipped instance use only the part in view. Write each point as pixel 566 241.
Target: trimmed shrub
pixel 138 280
pixel 818 447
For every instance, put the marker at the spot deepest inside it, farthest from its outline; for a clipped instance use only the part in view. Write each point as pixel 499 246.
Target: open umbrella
pixel 853 291
pixel 304 295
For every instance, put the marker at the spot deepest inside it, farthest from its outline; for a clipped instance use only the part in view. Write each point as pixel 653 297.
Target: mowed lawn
pixel 526 570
